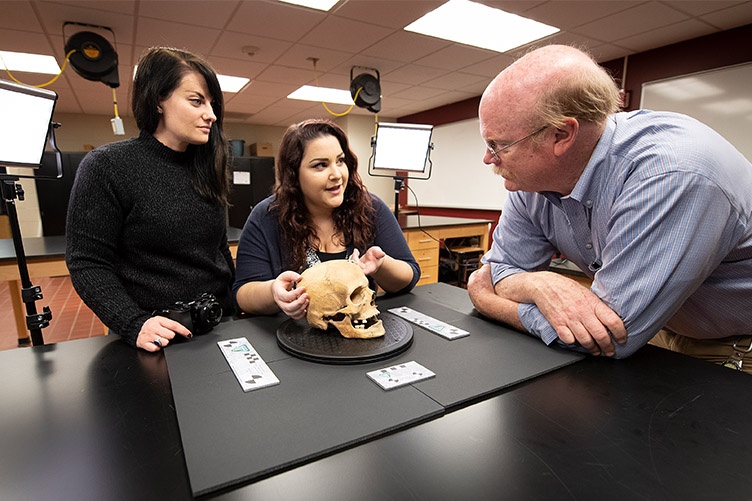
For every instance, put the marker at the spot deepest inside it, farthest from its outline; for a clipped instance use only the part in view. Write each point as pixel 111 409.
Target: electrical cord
pixel 114 102
pixel 67 57
pixel 62 69
pixel 420 227
pixel 316 77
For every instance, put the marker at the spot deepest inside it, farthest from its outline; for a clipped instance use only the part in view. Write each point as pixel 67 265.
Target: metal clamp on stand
pixel 37 320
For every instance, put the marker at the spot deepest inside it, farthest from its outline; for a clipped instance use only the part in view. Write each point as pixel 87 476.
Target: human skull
pixel 339 296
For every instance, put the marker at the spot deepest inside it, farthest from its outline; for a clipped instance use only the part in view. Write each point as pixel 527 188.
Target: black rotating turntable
pixel 302 340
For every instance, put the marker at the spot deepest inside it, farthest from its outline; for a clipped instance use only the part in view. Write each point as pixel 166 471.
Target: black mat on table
pixel 490 359
pixel 231 437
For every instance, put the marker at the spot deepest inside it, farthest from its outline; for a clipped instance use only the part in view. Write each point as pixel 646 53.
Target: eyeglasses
pixel 495 152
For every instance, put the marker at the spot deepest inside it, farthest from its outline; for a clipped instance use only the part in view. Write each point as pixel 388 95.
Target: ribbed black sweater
pixel 139 238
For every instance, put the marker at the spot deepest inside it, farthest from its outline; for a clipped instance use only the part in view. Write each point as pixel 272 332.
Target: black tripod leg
pixel 29 293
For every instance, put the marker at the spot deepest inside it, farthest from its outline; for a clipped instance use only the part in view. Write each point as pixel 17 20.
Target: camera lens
pixel 210 314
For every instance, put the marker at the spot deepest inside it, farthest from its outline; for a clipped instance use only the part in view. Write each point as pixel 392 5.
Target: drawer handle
pixel 425 258
pixel 424 240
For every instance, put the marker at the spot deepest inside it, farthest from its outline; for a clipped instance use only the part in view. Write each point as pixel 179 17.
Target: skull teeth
pixel 364 323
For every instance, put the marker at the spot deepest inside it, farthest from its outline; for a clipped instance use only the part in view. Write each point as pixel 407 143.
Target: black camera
pixel 199 315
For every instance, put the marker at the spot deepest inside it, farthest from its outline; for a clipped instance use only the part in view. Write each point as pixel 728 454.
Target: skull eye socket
pixel 359 295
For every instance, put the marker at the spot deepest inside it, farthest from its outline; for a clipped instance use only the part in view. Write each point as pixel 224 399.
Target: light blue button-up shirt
pixel 661 220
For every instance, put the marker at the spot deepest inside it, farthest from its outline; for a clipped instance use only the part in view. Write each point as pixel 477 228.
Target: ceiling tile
pixel 388 13
pixel 699 8
pixel 455 56
pixel 274 20
pixel 631 22
pixel 152 32
pixel 190 12
pixel 231 43
pixel 568 14
pixel 299 55
pixel 413 74
pixel 725 19
pixel 663 36
pixel 352 36
pixel 456 81
pixel 406 46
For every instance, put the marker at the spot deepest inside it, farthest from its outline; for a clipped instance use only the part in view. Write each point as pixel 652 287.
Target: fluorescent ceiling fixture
pixel 313 4
pixel 232 84
pixel 481 26
pixel 322 95
pixel 31 63
pixel 226 83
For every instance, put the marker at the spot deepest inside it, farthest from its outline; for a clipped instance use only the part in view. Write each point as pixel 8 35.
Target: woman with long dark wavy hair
pixel 320 210
pixel 146 221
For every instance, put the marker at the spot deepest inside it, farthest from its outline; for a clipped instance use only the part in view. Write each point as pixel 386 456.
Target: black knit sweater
pixel 139 238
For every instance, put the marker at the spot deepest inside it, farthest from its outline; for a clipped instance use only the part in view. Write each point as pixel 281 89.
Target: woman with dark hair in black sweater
pixel 146 221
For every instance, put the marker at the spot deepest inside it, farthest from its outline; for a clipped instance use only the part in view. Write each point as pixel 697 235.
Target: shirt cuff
pixel 501 271
pixel 535 323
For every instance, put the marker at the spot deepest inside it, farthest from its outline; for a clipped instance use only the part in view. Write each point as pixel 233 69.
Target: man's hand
pixel 576 314
pixel 572 309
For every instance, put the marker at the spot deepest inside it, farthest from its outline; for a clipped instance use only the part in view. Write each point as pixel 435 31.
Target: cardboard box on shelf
pixel 263 149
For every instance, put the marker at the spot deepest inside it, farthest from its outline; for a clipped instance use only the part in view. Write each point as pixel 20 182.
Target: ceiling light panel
pixel 226 82
pixel 478 25
pixel 324 5
pixel 30 63
pixel 232 84
pixel 322 95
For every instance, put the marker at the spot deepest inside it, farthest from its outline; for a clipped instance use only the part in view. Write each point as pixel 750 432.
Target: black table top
pixel 94 419
pixel 42 247
pixel 50 247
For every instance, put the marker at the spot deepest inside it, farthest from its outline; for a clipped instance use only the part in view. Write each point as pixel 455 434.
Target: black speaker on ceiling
pixel 365 89
pixel 94 58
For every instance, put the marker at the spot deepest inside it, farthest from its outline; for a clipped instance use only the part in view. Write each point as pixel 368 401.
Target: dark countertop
pixel 411 221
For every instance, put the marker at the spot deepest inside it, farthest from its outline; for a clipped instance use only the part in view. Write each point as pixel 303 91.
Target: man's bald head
pixel 551 84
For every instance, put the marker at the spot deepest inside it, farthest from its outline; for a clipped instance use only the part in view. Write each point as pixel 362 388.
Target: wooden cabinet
pixel 424 239
pixel 426 251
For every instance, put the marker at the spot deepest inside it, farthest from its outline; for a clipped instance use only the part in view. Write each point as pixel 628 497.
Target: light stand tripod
pixel 30 293
pixel 24 131
pixel 399 184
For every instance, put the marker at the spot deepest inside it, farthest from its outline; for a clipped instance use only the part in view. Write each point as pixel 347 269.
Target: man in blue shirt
pixel 655 207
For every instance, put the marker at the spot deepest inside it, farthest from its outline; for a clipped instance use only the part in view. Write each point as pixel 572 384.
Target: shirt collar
pixel 588 185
